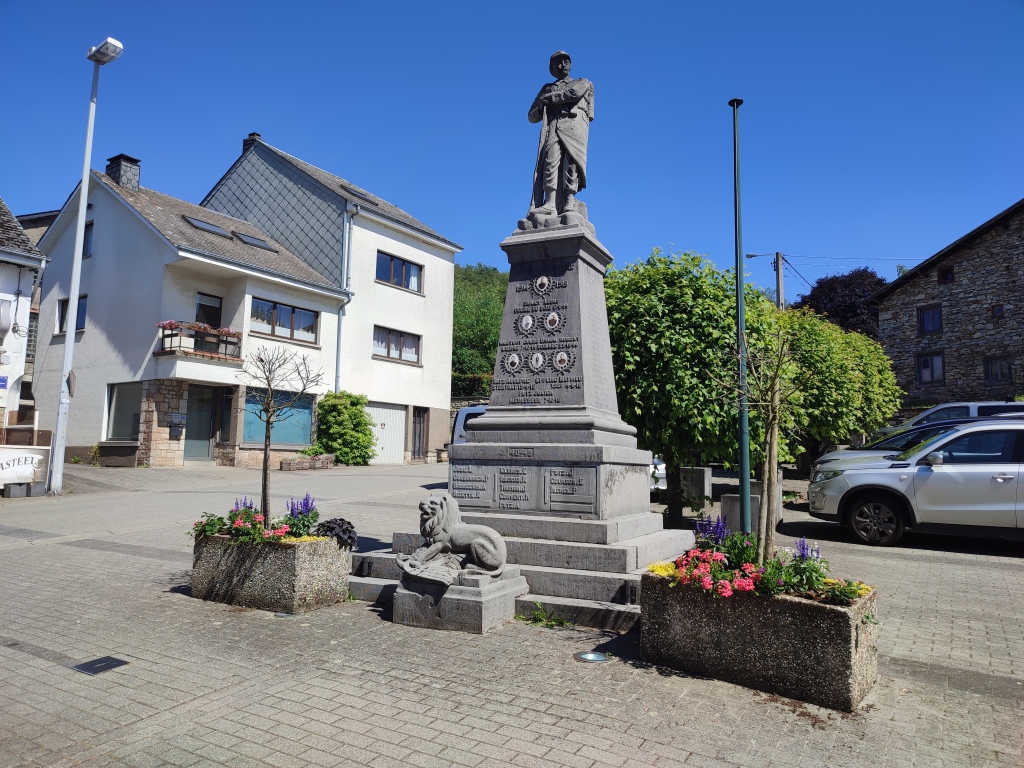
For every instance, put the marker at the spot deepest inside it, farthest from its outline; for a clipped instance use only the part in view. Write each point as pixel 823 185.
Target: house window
pixel 275 319
pixel 62 314
pixel 946 274
pixel 930 369
pixel 87 244
pixel 293 427
pixel 125 411
pixel 208 309
pixel 929 320
pixel 396 271
pixel 396 345
pixel 997 369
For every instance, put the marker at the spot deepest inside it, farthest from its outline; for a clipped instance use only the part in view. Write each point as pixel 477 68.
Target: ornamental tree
pixel 844 300
pixel 344 428
pixel 276 381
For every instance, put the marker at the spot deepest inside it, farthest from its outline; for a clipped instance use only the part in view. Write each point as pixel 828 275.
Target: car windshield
pixel 904 440
pixel 922 443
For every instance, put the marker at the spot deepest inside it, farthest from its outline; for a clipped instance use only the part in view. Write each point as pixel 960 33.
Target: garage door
pixel 388 432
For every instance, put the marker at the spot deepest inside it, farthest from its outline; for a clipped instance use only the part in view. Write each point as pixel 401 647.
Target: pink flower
pixel 682 561
pixel 266 534
pixel 706 582
pixel 743 585
pixel 748 568
pixel 259 518
pixel 692 554
pixel 724 589
pixel 718 557
pixel 684 578
pixel 238 523
pixel 702 568
pixel 284 528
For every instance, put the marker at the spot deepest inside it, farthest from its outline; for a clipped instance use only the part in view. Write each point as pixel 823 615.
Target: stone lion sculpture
pixel 445 535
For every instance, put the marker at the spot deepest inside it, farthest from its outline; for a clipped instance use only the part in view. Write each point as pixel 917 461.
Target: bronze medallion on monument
pixel 526 325
pixel 563 360
pixel 512 363
pixel 553 322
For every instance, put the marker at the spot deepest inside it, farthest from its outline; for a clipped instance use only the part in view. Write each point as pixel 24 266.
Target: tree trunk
pixel 265 488
pixel 768 510
pixel 674 500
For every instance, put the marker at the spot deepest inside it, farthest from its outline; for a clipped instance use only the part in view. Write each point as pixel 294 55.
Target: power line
pixel 785 260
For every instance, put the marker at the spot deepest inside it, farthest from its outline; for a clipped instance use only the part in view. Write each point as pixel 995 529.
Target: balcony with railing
pixel 180 338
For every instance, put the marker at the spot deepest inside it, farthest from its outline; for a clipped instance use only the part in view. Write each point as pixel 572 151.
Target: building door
pixel 419 434
pixel 388 432
pixel 199 422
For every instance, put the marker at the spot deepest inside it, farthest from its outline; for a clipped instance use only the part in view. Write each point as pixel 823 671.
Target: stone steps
pixel 609 531
pixel 622 557
pixel 585 613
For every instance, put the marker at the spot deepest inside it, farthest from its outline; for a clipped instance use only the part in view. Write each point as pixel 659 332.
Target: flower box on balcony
pixel 806 650
pixel 289 576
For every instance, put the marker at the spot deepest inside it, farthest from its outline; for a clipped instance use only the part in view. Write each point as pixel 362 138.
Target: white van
pixel 957 411
pixel 463 417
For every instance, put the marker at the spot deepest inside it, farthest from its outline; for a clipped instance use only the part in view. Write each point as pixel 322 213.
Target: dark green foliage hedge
pixel 344 428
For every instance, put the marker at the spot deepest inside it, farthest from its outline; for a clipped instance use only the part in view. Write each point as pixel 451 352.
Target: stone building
pixel 954 324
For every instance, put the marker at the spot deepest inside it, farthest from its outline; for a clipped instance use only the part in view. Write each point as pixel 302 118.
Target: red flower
pixel 707 582
pixel 743 585
pixel 724 589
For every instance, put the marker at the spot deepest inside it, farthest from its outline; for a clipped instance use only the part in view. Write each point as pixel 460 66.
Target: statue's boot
pixel 548 209
pixel 570 203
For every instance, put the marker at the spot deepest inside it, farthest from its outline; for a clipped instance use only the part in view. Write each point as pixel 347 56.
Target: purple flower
pixel 300 508
pixel 781 582
pixel 714 531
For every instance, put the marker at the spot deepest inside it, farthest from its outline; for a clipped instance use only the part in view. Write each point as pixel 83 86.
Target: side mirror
pixel 934 458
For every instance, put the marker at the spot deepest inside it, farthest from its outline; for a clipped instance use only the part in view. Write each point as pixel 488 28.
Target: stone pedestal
pixel 552 442
pixel 695 483
pixel 473 604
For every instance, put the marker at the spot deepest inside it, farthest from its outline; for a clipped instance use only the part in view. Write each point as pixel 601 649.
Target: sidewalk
pixel 104 571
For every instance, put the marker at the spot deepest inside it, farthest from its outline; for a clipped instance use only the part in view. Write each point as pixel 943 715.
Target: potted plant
pixel 285 565
pixel 784 627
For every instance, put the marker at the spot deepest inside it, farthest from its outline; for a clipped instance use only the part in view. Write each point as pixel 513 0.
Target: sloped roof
pixel 12 237
pixel 359 196
pixel 909 275
pixel 166 214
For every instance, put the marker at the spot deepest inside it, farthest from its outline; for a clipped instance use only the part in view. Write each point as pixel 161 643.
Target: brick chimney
pixel 247 142
pixel 125 171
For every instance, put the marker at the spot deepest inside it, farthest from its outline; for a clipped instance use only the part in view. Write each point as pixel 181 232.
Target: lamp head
pixel 106 51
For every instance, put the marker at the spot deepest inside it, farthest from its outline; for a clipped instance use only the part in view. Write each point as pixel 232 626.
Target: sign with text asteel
pixel 23 463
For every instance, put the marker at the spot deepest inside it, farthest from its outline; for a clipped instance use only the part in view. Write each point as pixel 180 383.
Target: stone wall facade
pixel 160 399
pixel 977 287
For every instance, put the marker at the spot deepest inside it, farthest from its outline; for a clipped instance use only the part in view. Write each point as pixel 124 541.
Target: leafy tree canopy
pixel 479 305
pixel 843 299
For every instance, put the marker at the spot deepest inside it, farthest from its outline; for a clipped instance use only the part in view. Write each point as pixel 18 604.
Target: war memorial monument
pixel 550 477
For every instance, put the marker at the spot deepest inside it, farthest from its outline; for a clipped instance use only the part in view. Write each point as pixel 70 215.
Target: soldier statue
pixel 565 109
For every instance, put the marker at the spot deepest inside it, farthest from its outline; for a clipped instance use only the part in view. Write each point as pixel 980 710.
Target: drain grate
pixel 96 666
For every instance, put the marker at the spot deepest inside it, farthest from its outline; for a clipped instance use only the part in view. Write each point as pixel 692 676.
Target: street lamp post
pixel 741 331
pixel 102 54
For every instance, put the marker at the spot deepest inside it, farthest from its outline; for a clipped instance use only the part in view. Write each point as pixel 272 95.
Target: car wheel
pixel 875 520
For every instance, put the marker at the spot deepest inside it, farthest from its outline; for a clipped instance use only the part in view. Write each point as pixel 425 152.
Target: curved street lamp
pixel 104 53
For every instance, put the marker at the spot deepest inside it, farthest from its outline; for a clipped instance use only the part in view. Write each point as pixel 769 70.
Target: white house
pixel 172 394
pixel 20 262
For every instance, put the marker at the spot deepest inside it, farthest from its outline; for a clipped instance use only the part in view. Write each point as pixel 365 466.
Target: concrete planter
pixel 818 653
pixel 289 577
pixel 293 464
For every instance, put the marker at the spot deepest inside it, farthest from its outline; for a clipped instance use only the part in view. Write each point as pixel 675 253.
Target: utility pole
pixel 780 298
pixel 741 331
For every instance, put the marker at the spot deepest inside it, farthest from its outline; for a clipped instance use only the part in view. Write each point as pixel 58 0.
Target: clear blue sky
pixel 873 132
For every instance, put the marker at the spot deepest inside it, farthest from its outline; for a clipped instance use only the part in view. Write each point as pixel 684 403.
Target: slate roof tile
pixel 12 236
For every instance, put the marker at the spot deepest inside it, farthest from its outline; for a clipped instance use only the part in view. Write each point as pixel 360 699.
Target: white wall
pixel 429 316
pixel 124 282
pixel 16 341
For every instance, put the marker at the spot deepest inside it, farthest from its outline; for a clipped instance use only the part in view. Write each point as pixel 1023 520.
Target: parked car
pixel 462 418
pixel 948 411
pixel 900 441
pixel 962 480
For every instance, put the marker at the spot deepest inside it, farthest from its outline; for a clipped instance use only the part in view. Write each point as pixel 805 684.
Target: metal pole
pixel 741 331
pixel 780 297
pixel 71 316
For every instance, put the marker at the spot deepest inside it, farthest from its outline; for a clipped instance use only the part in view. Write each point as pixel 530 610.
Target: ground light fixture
pixel 593 657
pixel 104 53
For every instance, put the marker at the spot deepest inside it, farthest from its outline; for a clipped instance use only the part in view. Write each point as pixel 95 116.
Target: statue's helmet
pixel 555 58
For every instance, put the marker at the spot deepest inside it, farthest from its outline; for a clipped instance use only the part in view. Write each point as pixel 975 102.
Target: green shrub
pixel 471 384
pixel 344 428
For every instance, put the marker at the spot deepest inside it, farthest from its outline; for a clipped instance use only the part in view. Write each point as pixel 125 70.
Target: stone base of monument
pixel 472 604
pixel 583 571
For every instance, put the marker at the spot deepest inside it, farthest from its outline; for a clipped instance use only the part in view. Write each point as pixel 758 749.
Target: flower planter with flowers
pixel 783 627
pixel 284 565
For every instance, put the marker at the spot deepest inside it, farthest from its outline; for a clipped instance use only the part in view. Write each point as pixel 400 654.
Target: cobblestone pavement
pixel 105 571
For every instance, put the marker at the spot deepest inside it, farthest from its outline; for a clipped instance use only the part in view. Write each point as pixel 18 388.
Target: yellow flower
pixel 663 569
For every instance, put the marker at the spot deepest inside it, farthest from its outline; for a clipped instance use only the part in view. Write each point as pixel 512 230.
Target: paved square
pixel 104 572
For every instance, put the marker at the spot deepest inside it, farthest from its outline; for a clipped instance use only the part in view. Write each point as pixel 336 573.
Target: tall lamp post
pixel 102 54
pixel 741 331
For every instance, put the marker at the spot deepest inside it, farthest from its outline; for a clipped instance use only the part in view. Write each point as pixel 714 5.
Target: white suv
pixel 963 480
